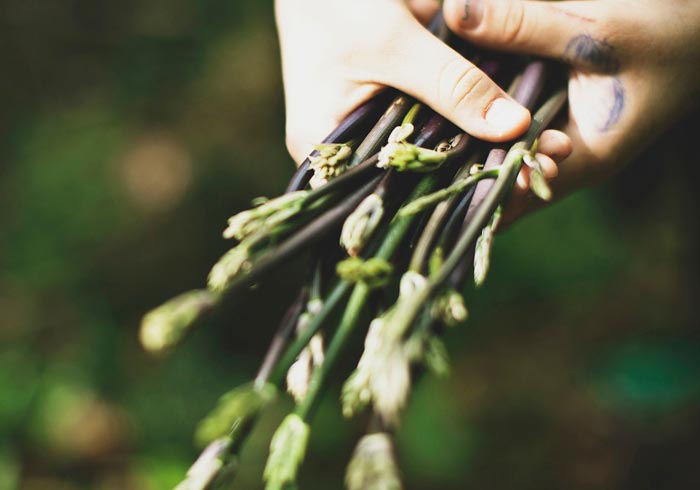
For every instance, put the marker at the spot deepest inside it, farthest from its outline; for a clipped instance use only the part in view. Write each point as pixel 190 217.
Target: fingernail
pixel 504 114
pixel 471 14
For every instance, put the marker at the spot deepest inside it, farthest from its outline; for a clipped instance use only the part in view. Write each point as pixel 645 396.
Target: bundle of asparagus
pixel 415 212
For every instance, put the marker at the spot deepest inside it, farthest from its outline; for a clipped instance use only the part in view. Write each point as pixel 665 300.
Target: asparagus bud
pixel 287 451
pixel 330 162
pixel 401 133
pixel 232 263
pixel 482 249
pixel 538 184
pixel 267 214
pixel 360 225
pixel 167 324
pixel 390 382
pixel 355 395
pixel 408 157
pixel 449 308
pixel 233 412
pixel 299 373
pixel 374 272
pixel 383 374
pixel 373 466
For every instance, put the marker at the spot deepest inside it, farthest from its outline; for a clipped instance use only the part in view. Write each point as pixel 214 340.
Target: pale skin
pixel 633 72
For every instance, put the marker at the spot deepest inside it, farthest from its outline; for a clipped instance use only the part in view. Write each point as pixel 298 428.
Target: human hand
pixel 633 71
pixel 337 54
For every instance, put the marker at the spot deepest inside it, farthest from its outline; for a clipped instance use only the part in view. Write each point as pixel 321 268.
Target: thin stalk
pixel 531 83
pixel 493 161
pixel 301 341
pixel 434 225
pixel 457 187
pixel 432 131
pixel 288 325
pixel 282 336
pixel 350 319
pixel 459 149
pixel 427 237
pixel 455 219
pixel 412 114
pixel 380 132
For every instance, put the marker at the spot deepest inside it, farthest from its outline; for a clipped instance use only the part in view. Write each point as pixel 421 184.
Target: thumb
pixel 427 69
pixel 550 29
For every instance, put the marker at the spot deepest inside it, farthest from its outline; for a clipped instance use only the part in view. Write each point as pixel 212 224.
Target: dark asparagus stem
pixel 435 227
pixel 433 131
pixel 384 185
pixel 459 149
pixel 380 132
pixel 493 160
pixel 531 84
pixel 281 338
pixel 330 302
pixel 455 219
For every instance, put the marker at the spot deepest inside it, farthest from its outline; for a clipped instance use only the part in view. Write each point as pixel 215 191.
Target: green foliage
pixel 648 377
pixel 61 193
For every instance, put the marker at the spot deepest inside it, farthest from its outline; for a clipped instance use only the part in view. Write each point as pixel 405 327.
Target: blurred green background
pixel 131 130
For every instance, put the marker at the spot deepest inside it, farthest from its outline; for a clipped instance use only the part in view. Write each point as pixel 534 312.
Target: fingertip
pixel 555 144
pixel 549 167
pixel 506 119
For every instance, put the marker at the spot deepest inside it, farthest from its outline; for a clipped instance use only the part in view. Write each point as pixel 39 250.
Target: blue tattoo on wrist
pixel 587 52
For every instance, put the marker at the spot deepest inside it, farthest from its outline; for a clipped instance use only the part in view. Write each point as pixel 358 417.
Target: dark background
pixel 130 131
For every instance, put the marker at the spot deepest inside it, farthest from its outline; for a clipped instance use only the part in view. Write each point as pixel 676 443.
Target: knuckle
pixel 458 83
pixel 513 23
